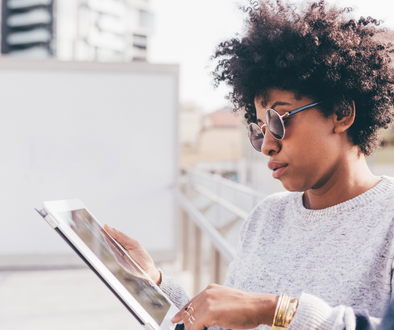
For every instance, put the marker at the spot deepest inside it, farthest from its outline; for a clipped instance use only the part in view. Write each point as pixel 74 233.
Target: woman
pixel 316 87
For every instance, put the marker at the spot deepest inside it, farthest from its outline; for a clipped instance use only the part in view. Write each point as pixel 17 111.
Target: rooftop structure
pixel 82 30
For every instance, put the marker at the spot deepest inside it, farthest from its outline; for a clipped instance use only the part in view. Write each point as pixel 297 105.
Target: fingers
pixel 187 318
pixel 137 252
pixel 196 321
pixel 191 315
pixel 178 317
pixel 127 242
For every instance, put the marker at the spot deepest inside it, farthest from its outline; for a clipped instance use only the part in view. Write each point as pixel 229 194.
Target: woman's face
pixel 310 153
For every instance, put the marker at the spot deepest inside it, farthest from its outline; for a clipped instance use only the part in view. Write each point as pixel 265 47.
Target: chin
pixel 294 185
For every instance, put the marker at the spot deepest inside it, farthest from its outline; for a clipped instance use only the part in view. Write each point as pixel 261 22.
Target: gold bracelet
pixel 280 313
pixel 291 311
pixel 280 319
pixel 276 310
pixel 284 312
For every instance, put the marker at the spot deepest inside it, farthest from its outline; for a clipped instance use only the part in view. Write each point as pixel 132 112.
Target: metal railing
pixel 212 210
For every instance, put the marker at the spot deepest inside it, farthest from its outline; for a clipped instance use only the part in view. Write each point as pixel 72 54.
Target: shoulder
pixel 276 199
pixel 385 197
pixel 388 183
pixel 275 203
pixel 384 191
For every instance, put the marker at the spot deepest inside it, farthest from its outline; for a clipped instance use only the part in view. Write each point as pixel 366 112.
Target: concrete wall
pixel 104 133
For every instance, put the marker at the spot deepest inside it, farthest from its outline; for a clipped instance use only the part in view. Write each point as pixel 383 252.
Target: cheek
pixel 301 143
pixel 310 156
pixel 310 139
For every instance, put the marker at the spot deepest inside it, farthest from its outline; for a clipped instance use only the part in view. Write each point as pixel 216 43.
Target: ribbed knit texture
pixel 334 260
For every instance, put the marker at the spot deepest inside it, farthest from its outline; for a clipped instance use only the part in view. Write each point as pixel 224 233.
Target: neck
pixel 351 178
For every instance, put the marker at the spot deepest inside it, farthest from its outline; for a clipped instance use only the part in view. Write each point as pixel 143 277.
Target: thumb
pixel 127 242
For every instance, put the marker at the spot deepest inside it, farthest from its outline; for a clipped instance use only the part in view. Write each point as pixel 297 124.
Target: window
pixel 139 41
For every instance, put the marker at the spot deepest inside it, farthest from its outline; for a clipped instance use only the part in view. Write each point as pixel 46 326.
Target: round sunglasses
pixel 274 123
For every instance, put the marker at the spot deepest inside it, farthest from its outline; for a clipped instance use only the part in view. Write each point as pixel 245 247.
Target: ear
pixel 342 123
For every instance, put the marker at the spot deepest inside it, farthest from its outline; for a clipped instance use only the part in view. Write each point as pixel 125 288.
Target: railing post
pixel 215 266
pixel 197 260
pixel 185 240
pixel 185 227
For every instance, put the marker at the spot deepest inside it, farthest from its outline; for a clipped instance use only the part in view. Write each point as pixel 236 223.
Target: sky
pixel 186 32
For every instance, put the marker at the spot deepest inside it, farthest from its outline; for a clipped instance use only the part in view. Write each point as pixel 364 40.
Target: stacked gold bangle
pixel 284 312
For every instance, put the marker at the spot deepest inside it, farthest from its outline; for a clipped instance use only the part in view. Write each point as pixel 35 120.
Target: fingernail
pixel 111 227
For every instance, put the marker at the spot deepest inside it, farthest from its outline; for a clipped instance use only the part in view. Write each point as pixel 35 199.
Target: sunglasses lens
pixel 255 136
pixel 274 124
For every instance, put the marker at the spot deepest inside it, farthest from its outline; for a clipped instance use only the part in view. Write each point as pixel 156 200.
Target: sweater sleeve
pixel 173 291
pixel 313 313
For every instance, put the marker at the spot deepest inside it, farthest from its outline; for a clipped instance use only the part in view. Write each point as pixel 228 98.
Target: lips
pixel 276 165
pixel 277 168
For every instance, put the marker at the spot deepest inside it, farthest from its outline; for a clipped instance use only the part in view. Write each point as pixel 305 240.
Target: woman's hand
pixel 121 257
pixel 136 252
pixel 227 308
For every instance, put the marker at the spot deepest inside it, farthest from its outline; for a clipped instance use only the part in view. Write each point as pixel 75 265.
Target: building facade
pixel 81 30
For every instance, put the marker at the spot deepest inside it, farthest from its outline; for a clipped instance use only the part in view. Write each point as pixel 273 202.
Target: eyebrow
pixel 276 104
pixel 272 107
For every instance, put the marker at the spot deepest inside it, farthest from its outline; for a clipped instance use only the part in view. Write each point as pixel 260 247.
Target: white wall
pixel 104 133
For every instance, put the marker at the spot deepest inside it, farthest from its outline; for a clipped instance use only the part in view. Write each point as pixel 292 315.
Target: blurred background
pixel 112 102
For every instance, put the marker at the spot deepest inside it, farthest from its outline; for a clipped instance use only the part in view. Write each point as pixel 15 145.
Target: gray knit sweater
pixel 336 260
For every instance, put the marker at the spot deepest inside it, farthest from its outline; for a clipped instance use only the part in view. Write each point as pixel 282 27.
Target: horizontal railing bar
pixel 223 202
pixel 223 229
pixel 219 179
pixel 218 240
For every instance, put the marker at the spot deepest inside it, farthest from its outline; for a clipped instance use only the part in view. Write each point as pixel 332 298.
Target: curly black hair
pixel 319 51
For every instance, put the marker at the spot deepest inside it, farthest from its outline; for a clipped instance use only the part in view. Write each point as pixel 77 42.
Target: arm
pixel 173 291
pixel 314 313
pixel 245 310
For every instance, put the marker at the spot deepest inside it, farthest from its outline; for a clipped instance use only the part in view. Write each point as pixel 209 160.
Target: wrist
pixel 267 305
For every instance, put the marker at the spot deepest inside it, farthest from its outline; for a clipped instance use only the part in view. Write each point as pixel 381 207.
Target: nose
pixel 270 146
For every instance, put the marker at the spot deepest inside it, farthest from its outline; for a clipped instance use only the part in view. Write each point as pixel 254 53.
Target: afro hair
pixel 319 51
